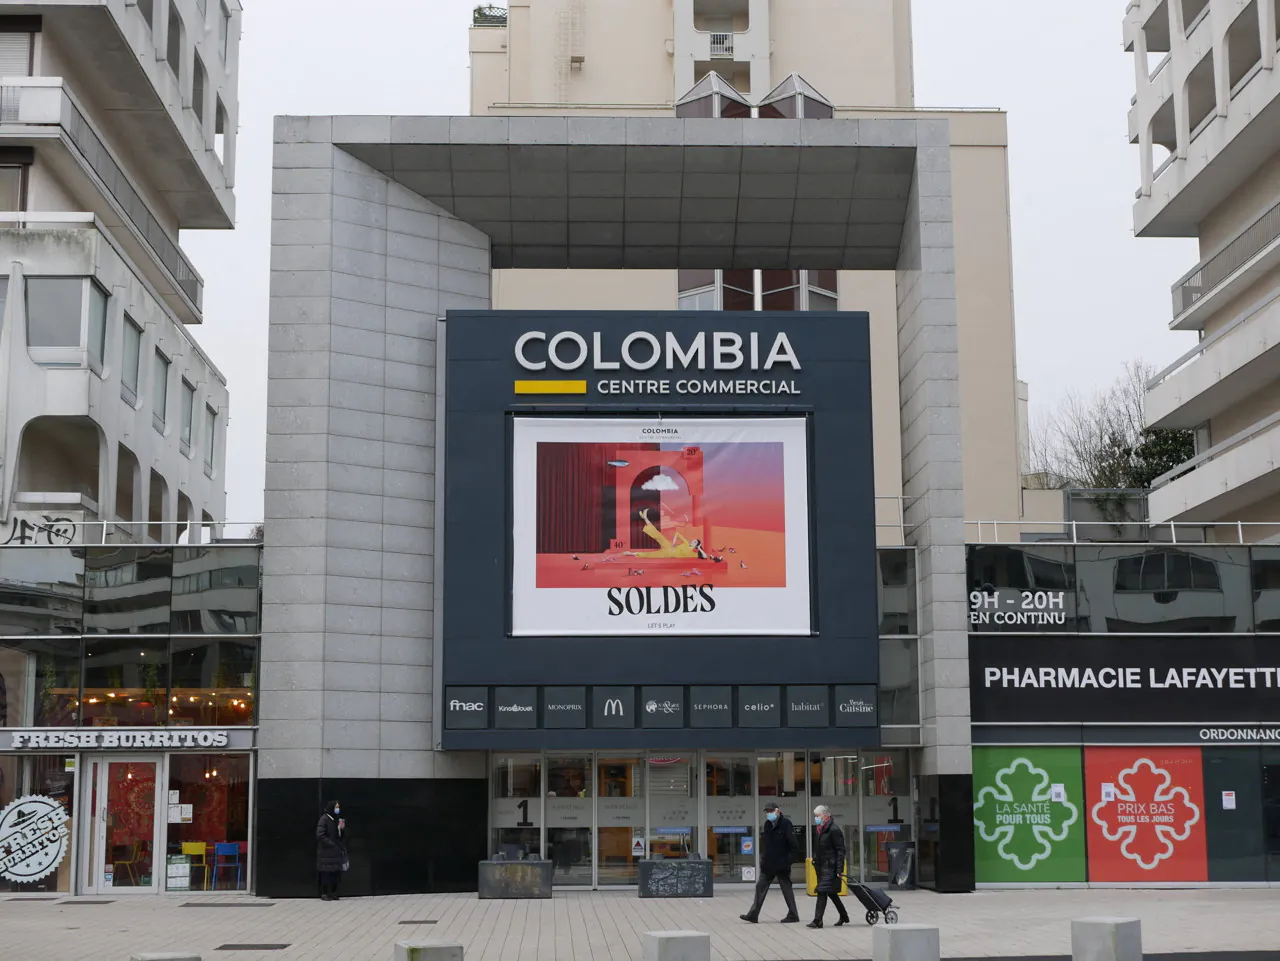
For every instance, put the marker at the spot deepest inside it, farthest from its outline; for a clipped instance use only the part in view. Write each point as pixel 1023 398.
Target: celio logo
pixel 456 705
pixel 692 599
pixel 642 350
pixel 759 706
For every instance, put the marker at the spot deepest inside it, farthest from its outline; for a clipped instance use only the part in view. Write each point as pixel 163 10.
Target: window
pixel 198 81
pixel 220 132
pixel 13 187
pixel 210 437
pixel 224 29
pixel 757 290
pixel 53 311
pixel 203 7
pixel 147 9
pixel 175 39
pixel 188 414
pixel 160 406
pixel 130 356
pixel 15 54
pixel 97 325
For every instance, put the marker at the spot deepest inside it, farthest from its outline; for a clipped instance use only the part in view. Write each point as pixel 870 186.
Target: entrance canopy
pixel 659 193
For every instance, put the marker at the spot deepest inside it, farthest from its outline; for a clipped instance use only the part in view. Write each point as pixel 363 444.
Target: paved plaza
pixel 606 926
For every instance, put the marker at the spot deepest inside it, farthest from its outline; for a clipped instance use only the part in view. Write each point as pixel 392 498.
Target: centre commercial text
pixel 1155 678
pixel 727 351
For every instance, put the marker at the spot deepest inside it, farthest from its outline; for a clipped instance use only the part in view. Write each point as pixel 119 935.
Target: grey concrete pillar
pixel 905 942
pixel 932 477
pixel 361 268
pixel 1106 939
pixel 677 946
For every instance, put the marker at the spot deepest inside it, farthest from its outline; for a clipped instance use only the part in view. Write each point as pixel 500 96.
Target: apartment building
pixel 543 58
pixel 1206 119
pixel 117 130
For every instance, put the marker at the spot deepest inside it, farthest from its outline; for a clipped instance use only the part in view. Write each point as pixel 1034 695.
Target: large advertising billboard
pixel 652 525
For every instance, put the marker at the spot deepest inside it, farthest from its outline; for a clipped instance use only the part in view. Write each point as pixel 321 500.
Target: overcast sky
pixel 1087 295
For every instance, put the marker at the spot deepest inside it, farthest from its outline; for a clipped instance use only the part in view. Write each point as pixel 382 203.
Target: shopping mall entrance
pixel 596 815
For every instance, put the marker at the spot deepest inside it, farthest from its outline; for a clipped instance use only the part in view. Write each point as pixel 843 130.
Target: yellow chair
pixel 811 880
pixel 129 864
pixel 197 849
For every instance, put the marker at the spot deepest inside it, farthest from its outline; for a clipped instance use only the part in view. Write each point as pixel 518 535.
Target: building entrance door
pixel 731 817
pixel 122 824
pixel 620 820
pixel 782 779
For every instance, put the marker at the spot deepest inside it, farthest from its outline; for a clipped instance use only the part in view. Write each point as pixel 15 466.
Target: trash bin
pixel 811 879
pixel 902 864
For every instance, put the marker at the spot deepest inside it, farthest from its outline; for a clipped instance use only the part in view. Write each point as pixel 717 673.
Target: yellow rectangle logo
pixel 551 387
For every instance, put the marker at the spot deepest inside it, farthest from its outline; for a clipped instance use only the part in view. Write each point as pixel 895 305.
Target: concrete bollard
pixel 677 946
pixel 428 951
pixel 164 956
pixel 905 942
pixel 1106 939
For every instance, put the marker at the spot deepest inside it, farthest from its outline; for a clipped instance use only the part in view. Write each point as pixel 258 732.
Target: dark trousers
pixel 762 888
pixel 821 907
pixel 329 882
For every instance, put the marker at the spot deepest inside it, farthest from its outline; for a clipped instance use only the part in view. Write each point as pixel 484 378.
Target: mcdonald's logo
pixel 613 707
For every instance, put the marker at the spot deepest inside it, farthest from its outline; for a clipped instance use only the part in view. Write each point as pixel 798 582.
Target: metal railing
pixel 103 164
pixel 1208 274
pixel 722 45
pixel 489 16
pixel 1217 450
pixel 1132 532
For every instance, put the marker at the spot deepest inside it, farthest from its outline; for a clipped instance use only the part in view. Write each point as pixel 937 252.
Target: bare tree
pixel 257 532
pixel 1100 441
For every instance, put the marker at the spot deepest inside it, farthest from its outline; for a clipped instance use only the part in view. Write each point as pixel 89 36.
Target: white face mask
pixel 337 810
pixel 817 819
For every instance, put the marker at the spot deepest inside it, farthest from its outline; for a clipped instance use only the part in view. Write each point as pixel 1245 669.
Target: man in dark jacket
pixel 778 850
pixel 828 865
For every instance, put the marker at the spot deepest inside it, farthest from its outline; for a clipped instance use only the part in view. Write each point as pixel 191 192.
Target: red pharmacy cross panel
pixel 1146 818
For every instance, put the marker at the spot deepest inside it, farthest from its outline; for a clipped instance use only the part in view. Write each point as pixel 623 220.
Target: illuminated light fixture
pixel 111 694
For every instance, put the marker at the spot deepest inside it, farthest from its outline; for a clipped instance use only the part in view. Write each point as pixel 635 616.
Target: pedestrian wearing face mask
pixel 778 851
pixel 331 850
pixel 828 864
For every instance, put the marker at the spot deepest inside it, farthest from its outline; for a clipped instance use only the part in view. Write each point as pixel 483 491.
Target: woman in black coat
pixel 331 850
pixel 828 864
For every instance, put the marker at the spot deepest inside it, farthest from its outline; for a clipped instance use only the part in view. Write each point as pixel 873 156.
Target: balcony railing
pixel 487 16
pixel 99 159
pixel 722 46
pixel 1208 274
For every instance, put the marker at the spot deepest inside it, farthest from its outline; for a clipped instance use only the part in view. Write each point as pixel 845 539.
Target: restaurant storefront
pixel 127 718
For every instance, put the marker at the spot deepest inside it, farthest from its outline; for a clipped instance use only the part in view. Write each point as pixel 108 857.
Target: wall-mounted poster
pixel 1146 815
pixel 659 525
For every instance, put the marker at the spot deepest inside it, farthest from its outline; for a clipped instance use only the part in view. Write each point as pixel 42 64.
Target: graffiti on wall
pixel 30 528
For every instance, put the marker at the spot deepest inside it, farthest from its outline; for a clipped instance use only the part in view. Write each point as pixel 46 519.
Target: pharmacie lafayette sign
pixel 1103 679
pixel 123 738
pixel 702 362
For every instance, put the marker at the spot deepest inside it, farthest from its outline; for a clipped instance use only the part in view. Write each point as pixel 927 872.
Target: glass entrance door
pixel 782 780
pixel 731 817
pixel 620 840
pixel 570 801
pixel 123 825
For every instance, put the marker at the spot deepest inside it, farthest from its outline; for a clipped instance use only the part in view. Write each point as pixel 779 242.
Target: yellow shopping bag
pixel 811 880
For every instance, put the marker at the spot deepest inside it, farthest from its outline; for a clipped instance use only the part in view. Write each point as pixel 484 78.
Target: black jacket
pixel 828 857
pixel 778 846
pixel 331 849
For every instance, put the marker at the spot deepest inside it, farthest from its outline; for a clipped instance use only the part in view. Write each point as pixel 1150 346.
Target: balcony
pixel 1236 362
pixel 40 112
pixel 488 16
pixel 1219 278
pixel 1226 479
pixel 721 46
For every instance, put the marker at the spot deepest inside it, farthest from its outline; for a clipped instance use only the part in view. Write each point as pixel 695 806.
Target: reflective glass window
pixel 48 775
pixel 54 311
pixel 569 804
pixel 41 588
pixel 823 280
pixel 97 324
pixel 1022 588
pixel 212 681
pixel 673 806
pixel 129 359
pixel 39 682
pixel 691 279
pixel 702 107
pixel 1265 568
pixel 126 681
pixel 127 590
pixel 817 110
pixel 899 695
pixel 515 809
pixel 896 590
pixel 215 590
pixel 1138 589
pixel 783 108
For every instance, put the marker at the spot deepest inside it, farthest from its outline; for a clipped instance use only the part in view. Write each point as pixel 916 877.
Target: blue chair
pixel 227 855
